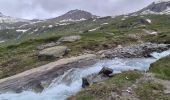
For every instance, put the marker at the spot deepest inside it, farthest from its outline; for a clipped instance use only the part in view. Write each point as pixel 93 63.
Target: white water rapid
pixel 70 83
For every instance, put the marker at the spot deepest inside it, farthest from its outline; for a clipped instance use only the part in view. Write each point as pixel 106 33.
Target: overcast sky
pixel 41 9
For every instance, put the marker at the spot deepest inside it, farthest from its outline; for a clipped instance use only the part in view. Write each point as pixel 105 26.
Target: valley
pixel 48 59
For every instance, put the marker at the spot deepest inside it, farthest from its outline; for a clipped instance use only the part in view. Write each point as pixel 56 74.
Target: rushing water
pixel 70 83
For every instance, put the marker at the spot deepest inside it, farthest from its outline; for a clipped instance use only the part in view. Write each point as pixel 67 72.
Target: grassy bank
pixel 104 90
pixel 126 86
pixel 161 68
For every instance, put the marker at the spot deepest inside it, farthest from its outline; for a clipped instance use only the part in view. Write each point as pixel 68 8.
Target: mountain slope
pixel 160 7
pixel 74 15
pixel 10 20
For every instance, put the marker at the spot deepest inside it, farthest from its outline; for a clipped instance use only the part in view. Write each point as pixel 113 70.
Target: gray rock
pixel 52 53
pixel 40 77
pixel 70 38
pixel 46 45
pixel 134 51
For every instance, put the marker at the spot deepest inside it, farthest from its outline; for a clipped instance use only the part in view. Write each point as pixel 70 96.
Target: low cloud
pixel 41 9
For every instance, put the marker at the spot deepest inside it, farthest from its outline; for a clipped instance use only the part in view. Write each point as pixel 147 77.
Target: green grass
pixel 161 68
pixel 21 57
pixel 163 37
pixel 151 91
pixel 103 90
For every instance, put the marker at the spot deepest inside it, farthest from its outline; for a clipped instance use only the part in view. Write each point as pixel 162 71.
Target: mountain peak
pixel 159 7
pixel 74 11
pixel 75 15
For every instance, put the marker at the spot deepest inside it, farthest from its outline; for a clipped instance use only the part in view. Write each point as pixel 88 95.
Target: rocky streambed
pixel 61 79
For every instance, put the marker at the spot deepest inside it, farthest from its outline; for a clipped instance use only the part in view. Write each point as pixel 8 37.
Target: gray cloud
pixel 51 8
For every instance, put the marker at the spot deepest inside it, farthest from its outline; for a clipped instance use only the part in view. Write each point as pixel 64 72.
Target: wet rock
pixel 38 88
pixel 85 82
pixel 94 78
pixel 42 76
pixel 52 53
pixel 70 38
pixel 106 71
pixel 104 74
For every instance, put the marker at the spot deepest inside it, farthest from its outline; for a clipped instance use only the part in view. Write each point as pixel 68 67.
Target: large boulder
pixel 52 53
pixel 41 77
pixel 70 38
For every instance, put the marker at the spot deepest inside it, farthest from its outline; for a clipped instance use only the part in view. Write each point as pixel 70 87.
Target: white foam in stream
pixel 70 83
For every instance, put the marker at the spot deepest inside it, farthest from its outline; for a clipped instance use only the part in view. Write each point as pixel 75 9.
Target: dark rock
pixel 94 78
pixel 85 82
pixel 106 71
pixel 104 74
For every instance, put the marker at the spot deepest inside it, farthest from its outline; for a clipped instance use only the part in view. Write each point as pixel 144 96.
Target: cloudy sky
pixel 41 9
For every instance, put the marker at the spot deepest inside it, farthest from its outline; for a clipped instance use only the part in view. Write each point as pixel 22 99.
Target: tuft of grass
pixel 161 68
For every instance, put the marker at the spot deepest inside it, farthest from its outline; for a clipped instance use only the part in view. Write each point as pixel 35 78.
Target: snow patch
pixel 2 41
pixel 105 24
pixel 36 30
pixel 50 26
pixel 154 33
pixel 94 29
pixel 149 21
pixel 22 30
pixel 166 12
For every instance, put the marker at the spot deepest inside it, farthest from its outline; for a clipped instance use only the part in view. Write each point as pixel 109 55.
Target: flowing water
pixel 70 83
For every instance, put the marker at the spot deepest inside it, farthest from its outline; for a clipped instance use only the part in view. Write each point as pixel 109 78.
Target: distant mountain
pixel 10 20
pixel 74 15
pixel 159 7
pixel 7 22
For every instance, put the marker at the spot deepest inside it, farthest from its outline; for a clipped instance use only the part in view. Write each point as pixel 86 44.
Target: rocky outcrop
pixel 48 45
pixel 72 38
pixel 104 74
pixel 52 53
pixel 35 78
pixel 134 51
